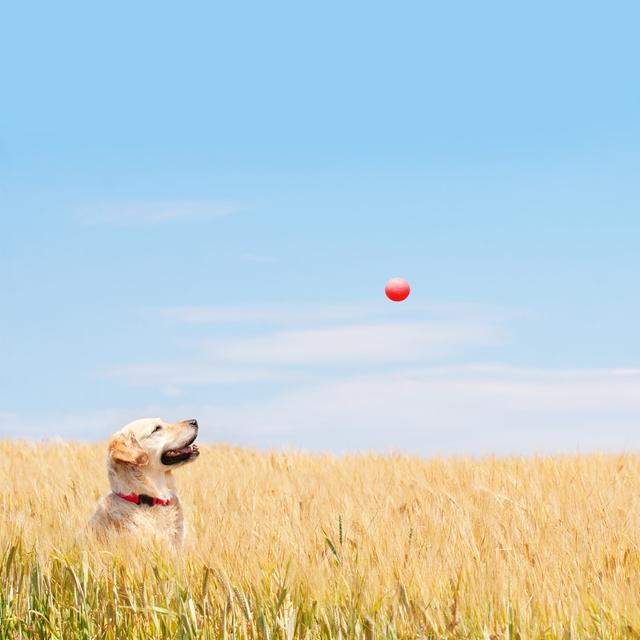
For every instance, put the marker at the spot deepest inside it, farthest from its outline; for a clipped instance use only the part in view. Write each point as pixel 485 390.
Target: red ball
pixel 397 289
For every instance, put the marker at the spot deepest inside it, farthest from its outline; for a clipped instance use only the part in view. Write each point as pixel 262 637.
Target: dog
pixel 140 463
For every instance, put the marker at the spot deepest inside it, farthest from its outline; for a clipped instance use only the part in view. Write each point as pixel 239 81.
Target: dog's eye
pixel 158 427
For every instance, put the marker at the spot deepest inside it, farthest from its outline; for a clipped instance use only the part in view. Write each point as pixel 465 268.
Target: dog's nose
pixel 193 423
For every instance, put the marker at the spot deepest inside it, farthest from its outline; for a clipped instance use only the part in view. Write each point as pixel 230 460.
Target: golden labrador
pixel 143 498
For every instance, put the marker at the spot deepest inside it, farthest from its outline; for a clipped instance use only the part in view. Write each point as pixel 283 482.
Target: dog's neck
pixel 128 478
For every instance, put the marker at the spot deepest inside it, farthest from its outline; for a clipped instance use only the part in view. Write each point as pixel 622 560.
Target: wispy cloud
pixel 475 409
pixel 466 410
pixel 266 358
pixel 357 344
pixel 309 314
pixel 353 379
pixel 337 338
pixel 271 313
pixel 173 375
pixel 149 213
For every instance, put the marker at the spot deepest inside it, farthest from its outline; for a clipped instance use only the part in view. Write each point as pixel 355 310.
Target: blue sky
pixel 199 208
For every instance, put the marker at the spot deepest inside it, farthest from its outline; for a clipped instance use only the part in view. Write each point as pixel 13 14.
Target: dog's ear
pixel 125 448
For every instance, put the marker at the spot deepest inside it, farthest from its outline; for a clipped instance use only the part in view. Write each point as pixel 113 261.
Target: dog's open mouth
pixel 173 456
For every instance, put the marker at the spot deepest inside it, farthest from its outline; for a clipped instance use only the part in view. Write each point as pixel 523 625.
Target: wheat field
pixel 294 545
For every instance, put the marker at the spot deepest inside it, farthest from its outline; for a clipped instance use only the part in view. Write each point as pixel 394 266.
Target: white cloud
pixel 89 425
pixel 357 344
pixel 355 384
pixel 274 313
pixel 462 410
pixel 147 213
pixel 261 358
pixel 471 410
pixel 265 356
pixel 174 375
pixel 312 314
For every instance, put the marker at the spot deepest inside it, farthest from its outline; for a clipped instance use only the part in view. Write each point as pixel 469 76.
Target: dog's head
pixel 155 444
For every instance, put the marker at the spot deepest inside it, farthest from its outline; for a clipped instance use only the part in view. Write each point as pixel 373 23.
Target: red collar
pixel 143 499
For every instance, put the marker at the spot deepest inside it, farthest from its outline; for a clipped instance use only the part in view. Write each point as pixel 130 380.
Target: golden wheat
pixel 298 545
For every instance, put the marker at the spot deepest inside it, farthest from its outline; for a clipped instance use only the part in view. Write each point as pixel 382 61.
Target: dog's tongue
pixel 179 452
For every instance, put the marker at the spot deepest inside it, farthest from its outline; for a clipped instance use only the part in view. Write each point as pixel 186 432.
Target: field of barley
pixel 294 545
